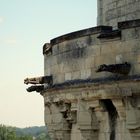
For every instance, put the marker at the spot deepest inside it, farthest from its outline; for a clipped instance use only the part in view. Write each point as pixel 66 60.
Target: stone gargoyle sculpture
pixel 39 80
pixel 37 88
pixel 47 48
pixel 38 83
pixel 123 68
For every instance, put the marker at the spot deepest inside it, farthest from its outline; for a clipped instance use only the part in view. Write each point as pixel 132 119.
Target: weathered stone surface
pixel 110 12
pixel 82 104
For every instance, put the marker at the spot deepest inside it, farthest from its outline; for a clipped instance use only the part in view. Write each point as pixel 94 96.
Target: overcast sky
pixel 25 25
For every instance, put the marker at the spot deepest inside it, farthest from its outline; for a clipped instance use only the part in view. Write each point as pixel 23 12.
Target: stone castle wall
pixel 110 12
pixel 91 86
pixel 78 58
pixel 83 104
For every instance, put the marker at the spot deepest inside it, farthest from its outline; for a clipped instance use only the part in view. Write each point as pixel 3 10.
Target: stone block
pixel 75 65
pixel 57 118
pixel 53 60
pixel 83 42
pixel 67 68
pixel 85 74
pixel 54 69
pixel 48 119
pixel 47 61
pixel 76 75
pixel 70 96
pixel 84 118
pixel 61 58
pixel 112 47
pixel 119 59
pixel 68 76
pixel 136 69
pixel 47 71
pixel 131 33
pixel 129 57
pixel 105 59
pixel 60 77
pixel 61 68
pixel 94 40
pixel 94 50
pixel 119 3
pixel 112 10
pixel 132 118
pixel 55 49
pixel 63 47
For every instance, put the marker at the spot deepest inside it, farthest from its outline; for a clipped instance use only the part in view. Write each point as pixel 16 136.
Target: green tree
pixel 7 133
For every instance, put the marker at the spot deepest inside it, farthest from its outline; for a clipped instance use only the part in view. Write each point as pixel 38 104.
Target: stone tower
pixel 110 12
pixel 91 82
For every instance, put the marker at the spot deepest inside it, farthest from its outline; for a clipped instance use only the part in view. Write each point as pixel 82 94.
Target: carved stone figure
pixel 39 80
pixel 115 68
pixel 35 88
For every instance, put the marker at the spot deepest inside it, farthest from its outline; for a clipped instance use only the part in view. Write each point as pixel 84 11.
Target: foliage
pixel 31 133
pixel 7 133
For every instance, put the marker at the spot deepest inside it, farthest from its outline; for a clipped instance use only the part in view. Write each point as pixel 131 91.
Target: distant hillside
pixel 40 133
pixel 29 133
pixel 33 131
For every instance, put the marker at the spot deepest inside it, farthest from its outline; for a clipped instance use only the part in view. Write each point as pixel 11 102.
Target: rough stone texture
pixel 82 104
pixel 110 12
pixel 79 58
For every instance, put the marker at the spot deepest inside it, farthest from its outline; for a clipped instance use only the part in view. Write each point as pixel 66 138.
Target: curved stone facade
pixel 110 12
pixel 76 56
pixel 83 104
pixel 91 86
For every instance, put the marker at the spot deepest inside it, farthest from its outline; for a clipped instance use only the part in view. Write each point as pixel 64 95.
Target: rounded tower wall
pixel 78 55
pixel 110 12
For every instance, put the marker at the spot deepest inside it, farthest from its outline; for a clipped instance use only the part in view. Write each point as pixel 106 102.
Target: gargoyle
pixel 123 68
pixel 39 80
pixel 38 88
pixel 47 48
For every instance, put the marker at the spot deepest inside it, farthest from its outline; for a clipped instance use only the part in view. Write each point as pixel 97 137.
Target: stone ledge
pixel 81 33
pixel 129 24
pixel 87 82
pixel 110 35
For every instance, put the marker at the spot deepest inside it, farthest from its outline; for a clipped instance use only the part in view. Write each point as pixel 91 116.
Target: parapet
pixel 78 55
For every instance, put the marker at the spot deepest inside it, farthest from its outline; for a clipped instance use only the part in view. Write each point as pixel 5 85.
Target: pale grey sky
pixel 25 25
